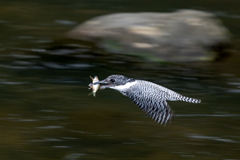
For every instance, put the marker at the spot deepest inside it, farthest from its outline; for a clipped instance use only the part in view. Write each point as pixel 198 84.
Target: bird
pixel 148 96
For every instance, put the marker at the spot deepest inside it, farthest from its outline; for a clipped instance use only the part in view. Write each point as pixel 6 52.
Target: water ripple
pixel 50 127
pixel 198 136
pixel 207 115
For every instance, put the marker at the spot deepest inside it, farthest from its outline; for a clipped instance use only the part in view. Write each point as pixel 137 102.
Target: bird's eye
pixel 112 80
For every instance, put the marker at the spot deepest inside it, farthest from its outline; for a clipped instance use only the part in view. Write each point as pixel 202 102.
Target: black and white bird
pixel 149 97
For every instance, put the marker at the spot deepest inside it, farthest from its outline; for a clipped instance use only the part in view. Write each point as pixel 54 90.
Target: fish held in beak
pixel 94 85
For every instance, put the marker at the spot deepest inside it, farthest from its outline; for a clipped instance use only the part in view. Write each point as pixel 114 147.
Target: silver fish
pixel 94 87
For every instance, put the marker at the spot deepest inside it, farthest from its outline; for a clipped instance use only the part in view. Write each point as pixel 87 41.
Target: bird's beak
pixel 100 82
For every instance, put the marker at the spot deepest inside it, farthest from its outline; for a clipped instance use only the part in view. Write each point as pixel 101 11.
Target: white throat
pixel 123 87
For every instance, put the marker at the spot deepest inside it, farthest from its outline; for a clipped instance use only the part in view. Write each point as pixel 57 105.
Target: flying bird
pixel 149 97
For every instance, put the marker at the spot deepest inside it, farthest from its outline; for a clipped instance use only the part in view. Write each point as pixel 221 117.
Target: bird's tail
pixel 188 99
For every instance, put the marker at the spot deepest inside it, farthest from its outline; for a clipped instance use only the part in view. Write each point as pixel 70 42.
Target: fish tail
pixel 90 93
pixel 94 94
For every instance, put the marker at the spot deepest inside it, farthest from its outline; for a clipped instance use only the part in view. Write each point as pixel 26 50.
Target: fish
pixel 94 87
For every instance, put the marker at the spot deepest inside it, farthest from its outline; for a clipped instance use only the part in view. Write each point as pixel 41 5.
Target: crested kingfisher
pixel 149 97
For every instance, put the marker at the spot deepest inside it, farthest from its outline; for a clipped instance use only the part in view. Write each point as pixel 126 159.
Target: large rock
pixel 184 35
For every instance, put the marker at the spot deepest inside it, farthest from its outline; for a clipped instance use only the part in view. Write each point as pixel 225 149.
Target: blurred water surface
pixel 46 114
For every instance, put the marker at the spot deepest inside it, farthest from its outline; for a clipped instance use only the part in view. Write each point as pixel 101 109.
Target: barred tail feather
pixel 190 100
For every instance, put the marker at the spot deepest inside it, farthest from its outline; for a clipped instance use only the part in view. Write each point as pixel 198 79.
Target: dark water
pixel 45 112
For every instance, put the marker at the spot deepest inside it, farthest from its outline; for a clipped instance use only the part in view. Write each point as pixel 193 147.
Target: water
pixel 46 114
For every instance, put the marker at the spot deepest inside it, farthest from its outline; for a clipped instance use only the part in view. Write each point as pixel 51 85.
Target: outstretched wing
pixel 155 107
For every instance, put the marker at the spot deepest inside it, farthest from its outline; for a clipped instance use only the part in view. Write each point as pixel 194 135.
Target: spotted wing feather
pixel 151 100
pixel 159 111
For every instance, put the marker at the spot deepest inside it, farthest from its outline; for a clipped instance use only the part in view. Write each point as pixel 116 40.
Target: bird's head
pixel 118 82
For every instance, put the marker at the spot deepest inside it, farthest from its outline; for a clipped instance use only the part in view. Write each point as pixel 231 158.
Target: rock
pixel 184 35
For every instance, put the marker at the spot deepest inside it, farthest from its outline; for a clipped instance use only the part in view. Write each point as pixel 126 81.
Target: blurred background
pixel 45 110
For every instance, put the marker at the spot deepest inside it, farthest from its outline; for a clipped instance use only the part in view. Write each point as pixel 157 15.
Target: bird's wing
pixel 154 106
